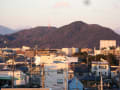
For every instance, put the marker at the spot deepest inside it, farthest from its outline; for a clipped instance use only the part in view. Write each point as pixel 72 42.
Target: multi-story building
pixel 100 68
pixel 107 43
pixel 54 71
pixel 56 76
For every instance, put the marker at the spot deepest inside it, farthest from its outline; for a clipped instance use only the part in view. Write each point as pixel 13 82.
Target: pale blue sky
pixel 26 13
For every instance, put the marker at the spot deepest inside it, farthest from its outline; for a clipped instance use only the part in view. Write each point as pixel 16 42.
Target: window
pixel 95 67
pixel 60 81
pixel 94 72
pixel 102 67
pixel 60 71
pixel 105 73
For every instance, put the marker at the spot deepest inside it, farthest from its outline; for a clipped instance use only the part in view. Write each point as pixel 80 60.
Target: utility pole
pixel 43 76
pixel 13 68
pixel 31 72
pixel 66 75
pixel 101 82
pixel 25 66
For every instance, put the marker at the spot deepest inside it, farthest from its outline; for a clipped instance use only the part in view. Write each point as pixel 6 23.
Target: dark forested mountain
pixel 76 34
pixel 5 30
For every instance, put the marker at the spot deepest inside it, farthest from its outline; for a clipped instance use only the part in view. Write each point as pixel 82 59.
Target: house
pixel 100 67
pixel 17 60
pixel 8 52
pixel 75 84
pixel 10 62
pixel 20 78
pixel 70 51
pixel 115 71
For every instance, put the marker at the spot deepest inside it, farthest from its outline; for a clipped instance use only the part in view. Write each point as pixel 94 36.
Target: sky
pixel 30 13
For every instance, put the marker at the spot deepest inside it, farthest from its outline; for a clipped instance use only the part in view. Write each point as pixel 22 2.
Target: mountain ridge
pixel 76 34
pixel 5 30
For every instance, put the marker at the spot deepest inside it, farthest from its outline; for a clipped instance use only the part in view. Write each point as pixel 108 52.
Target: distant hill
pixel 117 31
pixel 75 34
pixel 29 37
pixel 5 30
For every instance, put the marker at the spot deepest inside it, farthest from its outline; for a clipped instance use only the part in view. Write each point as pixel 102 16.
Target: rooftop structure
pixel 107 43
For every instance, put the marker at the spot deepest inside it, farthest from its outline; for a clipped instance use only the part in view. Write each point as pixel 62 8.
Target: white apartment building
pixel 55 70
pixel 100 67
pixel 107 43
pixel 47 59
pixel 56 76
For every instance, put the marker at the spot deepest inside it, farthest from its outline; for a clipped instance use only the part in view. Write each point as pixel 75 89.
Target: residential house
pixel 20 78
pixel 115 71
pixel 100 67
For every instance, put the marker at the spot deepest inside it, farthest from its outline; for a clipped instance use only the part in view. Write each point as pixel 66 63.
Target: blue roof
pixel 75 83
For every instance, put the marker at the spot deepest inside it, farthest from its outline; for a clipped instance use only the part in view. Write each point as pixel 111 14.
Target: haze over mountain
pixel 5 30
pixel 75 34
pixel 117 30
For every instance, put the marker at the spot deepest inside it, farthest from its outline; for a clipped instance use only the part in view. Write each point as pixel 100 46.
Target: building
pixel 115 71
pixel 54 57
pixel 20 78
pixel 115 51
pixel 56 76
pixel 47 59
pixel 70 51
pixel 40 52
pixel 100 68
pixel 55 72
pixel 88 50
pixel 8 51
pixel 75 84
pixel 107 43
pixel 24 48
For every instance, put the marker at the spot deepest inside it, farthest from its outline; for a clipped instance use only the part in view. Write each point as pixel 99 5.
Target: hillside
pixel 5 30
pixel 76 34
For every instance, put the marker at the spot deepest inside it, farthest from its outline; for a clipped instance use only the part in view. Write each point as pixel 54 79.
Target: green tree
pixel 112 59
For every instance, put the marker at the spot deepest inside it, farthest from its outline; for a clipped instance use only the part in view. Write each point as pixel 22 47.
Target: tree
pixel 98 57
pixel 82 56
pixel 112 59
